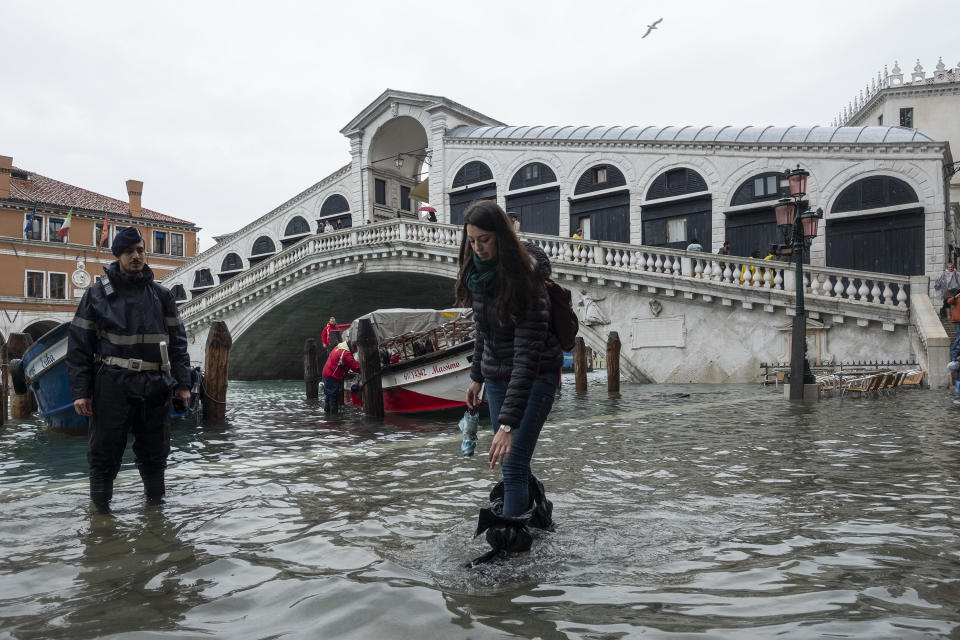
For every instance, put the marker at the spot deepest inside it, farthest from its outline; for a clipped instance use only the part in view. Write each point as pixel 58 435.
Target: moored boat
pixel 425 357
pixel 43 369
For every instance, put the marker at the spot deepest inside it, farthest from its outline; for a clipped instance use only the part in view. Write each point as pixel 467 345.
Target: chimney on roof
pixel 134 191
pixel 6 165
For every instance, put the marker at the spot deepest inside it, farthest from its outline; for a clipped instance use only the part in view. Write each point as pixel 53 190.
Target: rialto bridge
pixel 632 190
pixel 682 316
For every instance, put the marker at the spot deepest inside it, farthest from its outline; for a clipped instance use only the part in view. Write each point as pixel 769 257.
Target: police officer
pixel 117 374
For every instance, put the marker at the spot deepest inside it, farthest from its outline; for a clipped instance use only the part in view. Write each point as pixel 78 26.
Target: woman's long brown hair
pixel 517 282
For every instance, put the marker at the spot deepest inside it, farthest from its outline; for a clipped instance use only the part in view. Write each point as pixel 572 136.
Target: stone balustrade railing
pixel 600 259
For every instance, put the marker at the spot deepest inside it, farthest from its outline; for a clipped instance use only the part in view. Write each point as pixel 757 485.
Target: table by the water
pixel 730 513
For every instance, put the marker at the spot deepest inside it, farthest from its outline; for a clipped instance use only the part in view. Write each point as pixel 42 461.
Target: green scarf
pixel 481 275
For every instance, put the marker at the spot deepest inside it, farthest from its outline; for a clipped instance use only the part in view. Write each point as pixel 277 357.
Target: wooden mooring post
pixel 613 362
pixel 580 364
pixel 335 338
pixel 311 369
pixel 216 362
pixel 20 404
pixel 368 352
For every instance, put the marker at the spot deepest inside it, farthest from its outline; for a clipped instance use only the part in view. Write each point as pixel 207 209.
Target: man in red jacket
pixel 325 334
pixel 338 363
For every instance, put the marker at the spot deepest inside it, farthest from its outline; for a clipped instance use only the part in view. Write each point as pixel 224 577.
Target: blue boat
pixel 44 370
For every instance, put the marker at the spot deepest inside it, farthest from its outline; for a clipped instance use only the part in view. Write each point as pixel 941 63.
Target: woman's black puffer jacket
pixel 517 353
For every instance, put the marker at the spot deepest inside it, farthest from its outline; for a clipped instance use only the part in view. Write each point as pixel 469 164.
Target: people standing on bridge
pixel 327 227
pixel 694 245
pixel 515 222
pixel 335 369
pixel 517 359
pixel 947 282
pixel 120 376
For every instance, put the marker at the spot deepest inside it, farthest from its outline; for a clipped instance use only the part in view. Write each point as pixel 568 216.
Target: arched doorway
pixel 232 265
pixel 263 248
pixel 474 181
pixel 398 152
pixel 296 230
pixel 676 222
pixel 537 208
pixel 889 241
pixel 606 215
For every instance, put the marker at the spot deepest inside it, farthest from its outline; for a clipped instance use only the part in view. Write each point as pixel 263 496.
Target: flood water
pixel 727 514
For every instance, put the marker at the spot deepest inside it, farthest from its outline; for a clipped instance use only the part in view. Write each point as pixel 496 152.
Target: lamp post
pixel 798 223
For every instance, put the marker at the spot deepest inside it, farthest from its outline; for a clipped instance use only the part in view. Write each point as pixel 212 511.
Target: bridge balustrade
pixel 726 273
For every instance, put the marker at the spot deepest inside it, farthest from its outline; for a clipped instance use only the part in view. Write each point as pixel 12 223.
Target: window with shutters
pixel 58 285
pixel 53 226
pixel 33 286
pixel 405 198
pixel 159 241
pixel 36 229
pixel 599 175
pixel 176 244
pixel 380 191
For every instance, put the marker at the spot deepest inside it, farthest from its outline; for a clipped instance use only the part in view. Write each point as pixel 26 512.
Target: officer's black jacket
pixel 130 323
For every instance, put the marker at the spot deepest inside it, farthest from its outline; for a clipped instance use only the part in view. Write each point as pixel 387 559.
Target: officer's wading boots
pixel 153 486
pixel 101 491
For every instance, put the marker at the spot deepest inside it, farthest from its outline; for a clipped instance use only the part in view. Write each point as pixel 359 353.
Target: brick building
pixel 43 276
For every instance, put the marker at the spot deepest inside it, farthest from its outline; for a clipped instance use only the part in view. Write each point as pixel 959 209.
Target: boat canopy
pixel 392 323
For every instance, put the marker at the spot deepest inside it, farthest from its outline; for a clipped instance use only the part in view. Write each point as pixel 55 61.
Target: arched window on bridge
pixel 202 280
pixel 263 248
pixel 178 293
pixel 752 226
pixel 537 208
pixel 297 229
pixel 676 222
pixel 601 204
pixel 888 241
pixel 474 181
pixel 232 265
pixel 335 210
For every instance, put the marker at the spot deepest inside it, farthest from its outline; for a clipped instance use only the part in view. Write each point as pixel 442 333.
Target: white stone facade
pixel 450 135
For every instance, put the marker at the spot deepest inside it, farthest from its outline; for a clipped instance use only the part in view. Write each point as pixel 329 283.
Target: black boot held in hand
pixel 153 486
pixel 101 491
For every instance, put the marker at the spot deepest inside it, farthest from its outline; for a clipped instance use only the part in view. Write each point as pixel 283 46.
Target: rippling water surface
pixel 727 514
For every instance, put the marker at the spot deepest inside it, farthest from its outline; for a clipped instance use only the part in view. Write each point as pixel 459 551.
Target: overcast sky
pixel 226 110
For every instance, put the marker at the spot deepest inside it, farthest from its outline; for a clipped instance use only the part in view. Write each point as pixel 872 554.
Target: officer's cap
pixel 129 236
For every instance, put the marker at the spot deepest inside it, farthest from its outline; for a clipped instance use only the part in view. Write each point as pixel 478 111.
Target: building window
pixel 97 231
pixel 58 286
pixel 599 175
pixel 405 198
pixel 54 225
pixel 34 284
pixel 765 186
pixel 676 229
pixel 159 242
pixel 906 117
pixel 380 191
pixel 176 244
pixel 880 120
pixel 36 229
pixel 531 171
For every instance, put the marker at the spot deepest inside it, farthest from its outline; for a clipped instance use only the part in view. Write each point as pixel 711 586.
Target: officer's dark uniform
pixel 114 358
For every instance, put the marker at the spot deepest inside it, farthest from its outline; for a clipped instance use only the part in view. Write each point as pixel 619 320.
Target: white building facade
pixel 881 187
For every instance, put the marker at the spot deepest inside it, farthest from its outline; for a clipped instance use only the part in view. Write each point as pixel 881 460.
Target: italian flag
pixel 65 229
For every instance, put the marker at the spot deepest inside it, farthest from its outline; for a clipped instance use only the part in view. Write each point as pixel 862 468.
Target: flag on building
pixel 103 232
pixel 65 229
pixel 29 226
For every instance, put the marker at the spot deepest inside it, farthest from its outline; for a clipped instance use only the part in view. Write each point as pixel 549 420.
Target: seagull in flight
pixel 650 28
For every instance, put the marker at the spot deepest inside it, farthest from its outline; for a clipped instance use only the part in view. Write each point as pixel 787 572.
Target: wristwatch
pixel 506 428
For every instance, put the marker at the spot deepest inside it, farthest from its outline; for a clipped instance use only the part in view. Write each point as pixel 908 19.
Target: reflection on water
pixel 727 514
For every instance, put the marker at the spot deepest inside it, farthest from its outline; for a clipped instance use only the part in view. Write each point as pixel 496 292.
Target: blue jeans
pixel 331 391
pixel 516 470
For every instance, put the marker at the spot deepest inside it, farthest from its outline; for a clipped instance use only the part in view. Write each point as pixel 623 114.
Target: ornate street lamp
pixel 798 223
pixel 399 161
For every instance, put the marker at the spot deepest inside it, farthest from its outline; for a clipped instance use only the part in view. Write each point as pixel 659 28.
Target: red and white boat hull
pixel 431 383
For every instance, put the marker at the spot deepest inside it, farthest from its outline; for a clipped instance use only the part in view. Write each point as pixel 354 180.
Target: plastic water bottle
pixel 469 424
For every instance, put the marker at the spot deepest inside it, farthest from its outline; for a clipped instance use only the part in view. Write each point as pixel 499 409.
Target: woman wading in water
pixel 517 358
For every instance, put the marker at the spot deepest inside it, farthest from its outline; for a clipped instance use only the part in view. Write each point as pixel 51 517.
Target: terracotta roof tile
pixel 40 189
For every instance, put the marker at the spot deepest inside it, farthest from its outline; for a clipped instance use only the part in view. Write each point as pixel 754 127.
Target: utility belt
pixel 136 364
